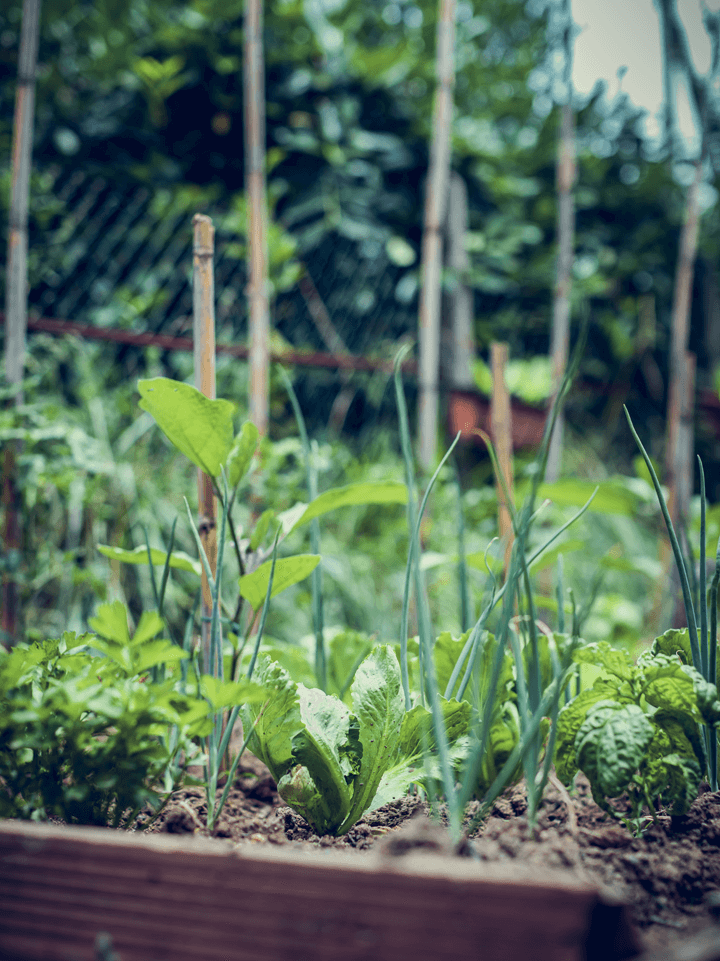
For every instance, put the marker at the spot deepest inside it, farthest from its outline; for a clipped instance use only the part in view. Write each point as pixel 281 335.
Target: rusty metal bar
pixel 292 358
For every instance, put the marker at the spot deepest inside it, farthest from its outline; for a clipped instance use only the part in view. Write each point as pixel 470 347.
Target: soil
pixel 669 877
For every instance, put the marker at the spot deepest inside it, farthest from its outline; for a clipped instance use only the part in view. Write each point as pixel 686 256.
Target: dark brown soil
pixel 669 877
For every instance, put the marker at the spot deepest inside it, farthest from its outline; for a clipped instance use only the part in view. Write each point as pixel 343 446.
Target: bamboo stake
pixel 254 90
pixel 16 296
pixel 565 178
pixel 204 359
pixel 432 246
pixel 501 430
pixel 459 298
pixel 678 499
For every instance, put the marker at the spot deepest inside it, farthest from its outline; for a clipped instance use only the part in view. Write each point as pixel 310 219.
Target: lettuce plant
pixel 638 729
pixel 328 761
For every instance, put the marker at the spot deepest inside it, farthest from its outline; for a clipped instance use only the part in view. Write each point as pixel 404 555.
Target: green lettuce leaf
pixel 379 706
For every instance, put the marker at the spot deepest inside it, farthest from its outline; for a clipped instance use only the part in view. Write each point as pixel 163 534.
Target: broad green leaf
pixel 504 737
pixel 384 492
pixel 670 685
pixel 327 748
pixel 570 719
pixel 549 557
pixel 139 555
pixel 612 497
pixel 261 529
pixel 378 705
pixel 288 571
pixel 277 721
pixel 395 782
pixel 111 622
pixel 299 791
pixel 610 746
pixel 416 730
pixel 241 454
pixel 200 428
pixel 674 642
pixel 676 733
pixel 346 651
pixel 289 519
pixel 608 658
pixel 678 777
pixel 446 651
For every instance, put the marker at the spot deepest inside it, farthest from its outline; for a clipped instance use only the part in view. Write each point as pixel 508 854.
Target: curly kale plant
pixel 637 730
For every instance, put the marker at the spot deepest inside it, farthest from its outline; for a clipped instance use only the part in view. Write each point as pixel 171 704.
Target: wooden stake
pixel 678 395
pixel 565 178
pixel 16 294
pixel 204 356
pixel 254 91
pixel 432 246
pixel 501 430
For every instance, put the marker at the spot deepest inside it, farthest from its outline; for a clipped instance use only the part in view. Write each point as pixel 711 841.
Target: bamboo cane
pixel 501 430
pixel 565 177
pixel 204 360
pixel 254 91
pixel 432 246
pixel 16 297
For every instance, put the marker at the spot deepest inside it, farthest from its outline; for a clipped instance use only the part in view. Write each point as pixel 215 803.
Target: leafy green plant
pixel 638 729
pixel 84 735
pixel 700 611
pixel 327 760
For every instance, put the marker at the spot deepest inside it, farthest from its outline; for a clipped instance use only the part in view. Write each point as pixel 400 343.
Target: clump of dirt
pixel 669 877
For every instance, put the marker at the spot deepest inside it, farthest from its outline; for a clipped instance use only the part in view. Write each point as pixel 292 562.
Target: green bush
pixel 86 740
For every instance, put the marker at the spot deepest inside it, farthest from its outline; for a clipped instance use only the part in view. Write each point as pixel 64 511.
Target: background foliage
pixel 144 100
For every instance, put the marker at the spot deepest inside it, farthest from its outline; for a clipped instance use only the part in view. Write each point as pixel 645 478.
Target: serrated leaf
pixel 241 453
pixel 139 555
pixel 111 622
pixel 288 571
pixel 149 625
pixel 200 428
pixel 156 652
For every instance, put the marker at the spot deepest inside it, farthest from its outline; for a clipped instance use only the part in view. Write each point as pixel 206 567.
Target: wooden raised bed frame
pixel 165 898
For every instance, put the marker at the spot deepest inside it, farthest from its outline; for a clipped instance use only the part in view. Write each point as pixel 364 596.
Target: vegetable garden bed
pixel 390 888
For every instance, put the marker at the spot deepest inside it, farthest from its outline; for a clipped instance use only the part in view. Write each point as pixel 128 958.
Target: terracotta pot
pixel 468 410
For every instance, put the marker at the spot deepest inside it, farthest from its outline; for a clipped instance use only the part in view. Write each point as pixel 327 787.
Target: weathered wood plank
pixel 168 899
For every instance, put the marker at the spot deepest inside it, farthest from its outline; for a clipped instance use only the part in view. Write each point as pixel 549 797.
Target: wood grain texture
pixel 166 899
